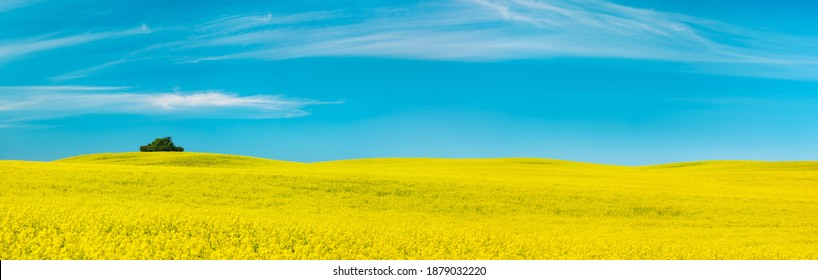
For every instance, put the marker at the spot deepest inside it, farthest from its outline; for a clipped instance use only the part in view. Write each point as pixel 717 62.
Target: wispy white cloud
pixel 485 30
pixel 471 30
pixel 7 5
pixel 23 104
pixel 12 49
pixel 17 89
pixel 233 24
pixel 90 70
pixel 205 34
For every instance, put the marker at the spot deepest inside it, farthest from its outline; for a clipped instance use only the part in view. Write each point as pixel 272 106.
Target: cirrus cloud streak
pixel 491 30
pixel 23 104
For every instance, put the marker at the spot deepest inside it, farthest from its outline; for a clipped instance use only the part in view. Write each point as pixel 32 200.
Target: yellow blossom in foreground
pixel 208 206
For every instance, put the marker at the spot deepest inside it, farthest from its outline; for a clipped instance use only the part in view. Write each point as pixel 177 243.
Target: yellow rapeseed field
pixel 209 206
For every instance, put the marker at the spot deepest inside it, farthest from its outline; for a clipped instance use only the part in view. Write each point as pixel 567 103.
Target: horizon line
pixel 436 158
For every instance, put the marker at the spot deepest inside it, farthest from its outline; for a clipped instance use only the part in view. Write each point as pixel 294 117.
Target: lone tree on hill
pixel 161 145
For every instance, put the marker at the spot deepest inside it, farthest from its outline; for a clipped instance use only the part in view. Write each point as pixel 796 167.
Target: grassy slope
pixel 173 159
pixel 165 205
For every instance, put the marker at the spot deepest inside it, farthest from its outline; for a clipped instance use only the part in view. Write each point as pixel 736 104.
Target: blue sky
pixel 626 82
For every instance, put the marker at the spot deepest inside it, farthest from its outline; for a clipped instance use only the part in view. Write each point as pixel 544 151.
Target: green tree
pixel 161 145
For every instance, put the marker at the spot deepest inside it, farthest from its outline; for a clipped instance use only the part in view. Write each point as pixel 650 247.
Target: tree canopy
pixel 161 145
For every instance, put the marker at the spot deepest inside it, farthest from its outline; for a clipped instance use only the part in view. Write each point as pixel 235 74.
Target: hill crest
pixel 186 159
pixel 196 159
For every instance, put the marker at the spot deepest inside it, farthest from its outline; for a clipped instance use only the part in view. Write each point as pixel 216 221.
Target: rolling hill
pixel 173 159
